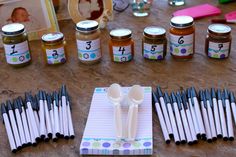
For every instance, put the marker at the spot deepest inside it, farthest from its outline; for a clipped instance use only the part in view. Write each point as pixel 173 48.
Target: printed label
pixel 89 50
pixel 55 56
pixel 154 52
pixel 218 50
pixel 122 54
pixel 181 45
pixel 18 53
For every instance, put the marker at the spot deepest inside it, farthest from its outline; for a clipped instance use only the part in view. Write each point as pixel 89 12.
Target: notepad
pixel 99 136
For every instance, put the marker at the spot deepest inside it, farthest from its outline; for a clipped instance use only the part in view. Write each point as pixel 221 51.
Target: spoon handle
pixel 132 121
pixel 118 121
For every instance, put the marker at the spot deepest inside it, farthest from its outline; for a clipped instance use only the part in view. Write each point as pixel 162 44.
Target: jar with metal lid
pixel 121 45
pixel 53 45
pixel 154 44
pixel 182 37
pixel 15 42
pixel 88 42
pixel 218 41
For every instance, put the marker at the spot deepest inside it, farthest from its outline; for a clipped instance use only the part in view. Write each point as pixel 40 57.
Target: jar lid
pixel 219 29
pixel 13 29
pixel 52 37
pixel 87 25
pixel 121 33
pixel 154 31
pixel 181 21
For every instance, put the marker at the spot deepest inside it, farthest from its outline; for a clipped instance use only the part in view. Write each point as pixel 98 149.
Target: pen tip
pixel 3 108
pixel 159 92
pixel 63 90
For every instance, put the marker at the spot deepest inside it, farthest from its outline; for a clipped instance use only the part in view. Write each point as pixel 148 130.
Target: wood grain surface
pixel 170 74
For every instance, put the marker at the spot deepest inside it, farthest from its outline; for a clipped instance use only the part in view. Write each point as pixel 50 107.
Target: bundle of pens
pixel 37 118
pixel 187 117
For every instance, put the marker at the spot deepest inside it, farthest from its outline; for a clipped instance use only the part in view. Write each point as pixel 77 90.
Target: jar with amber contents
pixel 182 37
pixel 88 42
pixel 218 41
pixel 154 45
pixel 15 42
pixel 121 45
pixel 53 45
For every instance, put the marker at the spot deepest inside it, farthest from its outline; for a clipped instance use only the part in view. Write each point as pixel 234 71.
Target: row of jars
pixel 121 45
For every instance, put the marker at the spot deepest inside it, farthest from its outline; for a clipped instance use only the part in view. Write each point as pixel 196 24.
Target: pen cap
pixel 63 90
pixel 166 97
pixel 49 100
pixel 179 100
pixel 9 105
pixel 184 100
pixel 19 106
pixel 159 92
pixel 219 94
pixel 202 97
pixel 193 92
pixel 44 95
pixel 208 97
pixel 56 98
pixel 21 103
pixel 223 99
pixel 3 110
pixel 40 95
pixel 36 101
pixel 232 98
pixel 226 94
pixel 155 99
pixel 213 93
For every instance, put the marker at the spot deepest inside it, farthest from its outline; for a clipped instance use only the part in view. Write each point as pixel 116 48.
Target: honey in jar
pixel 218 41
pixel 53 45
pixel 182 37
pixel 15 42
pixel 154 44
pixel 121 45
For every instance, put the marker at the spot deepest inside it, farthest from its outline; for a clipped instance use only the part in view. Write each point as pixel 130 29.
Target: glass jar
pixel 88 42
pixel 141 8
pixel 176 2
pixel 121 45
pixel 154 45
pixel 15 42
pixel 182 37
pixel 53 45
pixel 218 41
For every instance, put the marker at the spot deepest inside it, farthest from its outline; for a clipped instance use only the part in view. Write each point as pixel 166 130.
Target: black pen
pixel 222 115
pixel 205 116
pixel 9 130
pixel 229 121
pixel 13 125
pixel 164 110
pixel 210 115
pixel 18 111
pixel 189 117
pixel 184 119
pixel 216 113
pixel 161 118
pixel 193 113
pixel 177 108
pixel 172 118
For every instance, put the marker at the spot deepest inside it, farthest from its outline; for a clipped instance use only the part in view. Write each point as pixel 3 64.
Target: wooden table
pixel 81 80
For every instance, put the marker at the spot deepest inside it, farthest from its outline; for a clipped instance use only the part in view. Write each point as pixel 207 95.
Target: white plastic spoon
pixel 135 97
pixel 115 95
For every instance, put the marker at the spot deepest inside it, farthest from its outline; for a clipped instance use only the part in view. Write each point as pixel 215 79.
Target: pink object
pixel 231 17
pixel 199 11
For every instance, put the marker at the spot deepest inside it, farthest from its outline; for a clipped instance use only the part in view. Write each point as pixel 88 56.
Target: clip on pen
pixel 177 108
pixel 56 114
pixel 216 113
pixel 47 117
pixel 172 118
pixel 33 122
pixel 222 115
pixel 229 121
pixel 8 128
pixel 210 115
pixel 14 125
pixel 193 114
pixel 184 119
pixel 18 111
pixel 189 117
pixel 64 112
pixel 161 119
pixel 71 128
pixel 198 113
pixel 164 109
pixel 205 116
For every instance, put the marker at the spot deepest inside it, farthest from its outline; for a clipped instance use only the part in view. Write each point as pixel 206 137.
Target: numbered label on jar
pixel 181 45
pixel 89 50
pixel 17 53
pixel 218 50
pixel 154 52
pixel 56 56
pixel 122 53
